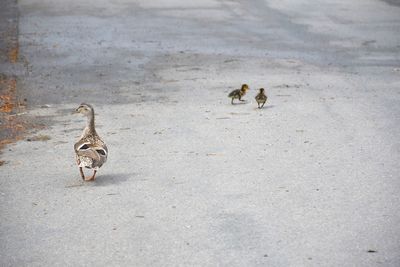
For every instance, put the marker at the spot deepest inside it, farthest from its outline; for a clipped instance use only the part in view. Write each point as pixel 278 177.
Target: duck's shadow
pixel 104 180
pixel 112 179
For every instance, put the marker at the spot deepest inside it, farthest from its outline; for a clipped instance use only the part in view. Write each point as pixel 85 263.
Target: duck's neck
pixel 90 129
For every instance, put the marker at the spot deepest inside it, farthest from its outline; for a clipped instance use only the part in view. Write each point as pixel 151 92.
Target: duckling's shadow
pixel 239 103
pixel 112 179
pixel 265 107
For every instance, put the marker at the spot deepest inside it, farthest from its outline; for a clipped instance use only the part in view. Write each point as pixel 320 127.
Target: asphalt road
pixel 191 180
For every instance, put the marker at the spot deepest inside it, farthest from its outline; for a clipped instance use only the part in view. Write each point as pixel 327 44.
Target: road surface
pixel 310 180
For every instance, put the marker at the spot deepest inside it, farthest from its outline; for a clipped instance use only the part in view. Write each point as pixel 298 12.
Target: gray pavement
pixel 310 180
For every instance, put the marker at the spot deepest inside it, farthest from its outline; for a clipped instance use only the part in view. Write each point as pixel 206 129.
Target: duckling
pixel 91 152
pixel 238 93
pixel 261 98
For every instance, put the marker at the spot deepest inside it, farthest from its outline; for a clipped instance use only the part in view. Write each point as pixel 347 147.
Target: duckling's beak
pixel 75 111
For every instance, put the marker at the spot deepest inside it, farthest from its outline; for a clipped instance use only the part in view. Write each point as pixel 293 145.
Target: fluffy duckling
pixel 238 93
pixel 91 152
pixel 261 98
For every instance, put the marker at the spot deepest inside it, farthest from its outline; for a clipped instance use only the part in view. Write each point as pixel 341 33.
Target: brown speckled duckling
pixel 261 98
pixel 91 152
pixel 238 93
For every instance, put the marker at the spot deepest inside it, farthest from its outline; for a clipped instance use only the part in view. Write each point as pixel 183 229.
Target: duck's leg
pixel 82 174
pixel 93 176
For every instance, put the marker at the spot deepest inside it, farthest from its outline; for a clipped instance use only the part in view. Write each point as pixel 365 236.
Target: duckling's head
pixel 85 109
pixel 262 90
pixel 245 87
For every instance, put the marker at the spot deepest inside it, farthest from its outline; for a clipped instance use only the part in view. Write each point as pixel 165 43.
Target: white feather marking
pixel 84 146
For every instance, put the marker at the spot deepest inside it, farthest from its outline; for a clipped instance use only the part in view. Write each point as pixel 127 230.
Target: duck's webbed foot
pixel 93 176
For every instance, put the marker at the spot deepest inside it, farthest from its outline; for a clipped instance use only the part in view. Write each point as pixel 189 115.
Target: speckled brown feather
pixel 261 98
pixel 238 93
pixel 91 152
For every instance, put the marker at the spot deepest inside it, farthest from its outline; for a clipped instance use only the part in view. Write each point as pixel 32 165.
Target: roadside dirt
pixel 13 126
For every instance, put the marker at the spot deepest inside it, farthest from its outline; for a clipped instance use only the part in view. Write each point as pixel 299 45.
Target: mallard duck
pixel 91 152
pixel 261 98
pixel 238 93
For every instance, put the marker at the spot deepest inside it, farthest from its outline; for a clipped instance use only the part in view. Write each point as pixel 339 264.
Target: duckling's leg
pixel 82 174
pixel 93 176
pixel 232 101
pixel 240 98
pixel 263 104
pixel 258 105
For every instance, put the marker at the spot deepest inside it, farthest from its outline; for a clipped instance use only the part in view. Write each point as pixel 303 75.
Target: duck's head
pixel 262 90
pixel 245 87
pixel 84 109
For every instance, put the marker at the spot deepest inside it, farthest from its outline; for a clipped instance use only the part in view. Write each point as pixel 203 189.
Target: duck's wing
pixel 98 151
pixel 261 97
pixel 234 93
